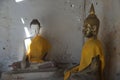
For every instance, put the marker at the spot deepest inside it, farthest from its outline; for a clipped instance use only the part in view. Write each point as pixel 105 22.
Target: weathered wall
pixel 12 35
pixel 4 35
pixel 111 37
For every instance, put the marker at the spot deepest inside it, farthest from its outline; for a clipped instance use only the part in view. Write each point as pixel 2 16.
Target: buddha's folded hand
pixel 67 74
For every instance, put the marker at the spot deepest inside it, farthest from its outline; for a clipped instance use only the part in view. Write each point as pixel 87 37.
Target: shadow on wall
pixel 1 65
pixel 109 51
pixel 108 36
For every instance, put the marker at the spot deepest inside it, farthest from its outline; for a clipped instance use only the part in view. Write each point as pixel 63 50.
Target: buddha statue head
pixel 91 24
pixel 35 27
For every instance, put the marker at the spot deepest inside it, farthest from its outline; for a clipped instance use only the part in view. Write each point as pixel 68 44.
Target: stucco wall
pixel 4 34
pixel 111 37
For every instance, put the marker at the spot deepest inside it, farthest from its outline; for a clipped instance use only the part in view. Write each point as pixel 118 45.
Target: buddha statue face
pixel 91 24
pixel 35 27
pixel 89 31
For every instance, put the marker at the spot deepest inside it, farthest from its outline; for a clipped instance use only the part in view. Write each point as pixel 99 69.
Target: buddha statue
pixel 92 62
pixel 35 65
pixel 35 56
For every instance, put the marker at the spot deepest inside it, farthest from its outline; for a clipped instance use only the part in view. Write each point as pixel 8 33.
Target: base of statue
pixel 35 74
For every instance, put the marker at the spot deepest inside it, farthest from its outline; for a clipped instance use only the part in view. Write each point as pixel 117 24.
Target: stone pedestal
pixel 41 74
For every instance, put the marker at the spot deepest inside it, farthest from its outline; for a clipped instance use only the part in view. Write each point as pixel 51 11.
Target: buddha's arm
pixel 69 71
pixel 74 69
pixel 25 58
pixel 93 65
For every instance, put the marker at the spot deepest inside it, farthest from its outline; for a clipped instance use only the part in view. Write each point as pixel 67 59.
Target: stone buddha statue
pixel 35 57
pixel 92 57
pixel 34 65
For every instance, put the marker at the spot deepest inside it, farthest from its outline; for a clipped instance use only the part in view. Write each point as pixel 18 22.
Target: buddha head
pixel 91 24
pixel 35 27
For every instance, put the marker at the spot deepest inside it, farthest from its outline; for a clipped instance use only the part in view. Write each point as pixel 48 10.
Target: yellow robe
pixel 38 48
pixel 91 48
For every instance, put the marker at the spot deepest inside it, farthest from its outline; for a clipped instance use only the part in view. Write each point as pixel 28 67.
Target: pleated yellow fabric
pixel 38 48
pixel 91 48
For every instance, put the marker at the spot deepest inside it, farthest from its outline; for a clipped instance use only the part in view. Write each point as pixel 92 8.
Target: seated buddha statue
pixel 92 62
pixel 35 56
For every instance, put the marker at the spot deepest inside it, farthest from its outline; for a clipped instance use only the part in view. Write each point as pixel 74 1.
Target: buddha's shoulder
pixel 41 37
pixel 95 42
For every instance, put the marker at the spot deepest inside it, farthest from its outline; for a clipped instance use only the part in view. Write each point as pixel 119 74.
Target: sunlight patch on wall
pixel 27 32
pixel 27 43
pixel 22 20
pixel 18 1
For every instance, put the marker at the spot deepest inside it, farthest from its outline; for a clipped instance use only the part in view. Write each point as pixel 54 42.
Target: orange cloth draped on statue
pixel 38 48
pixel 91 48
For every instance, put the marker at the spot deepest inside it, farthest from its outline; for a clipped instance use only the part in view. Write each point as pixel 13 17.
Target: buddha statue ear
pixel 94 30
